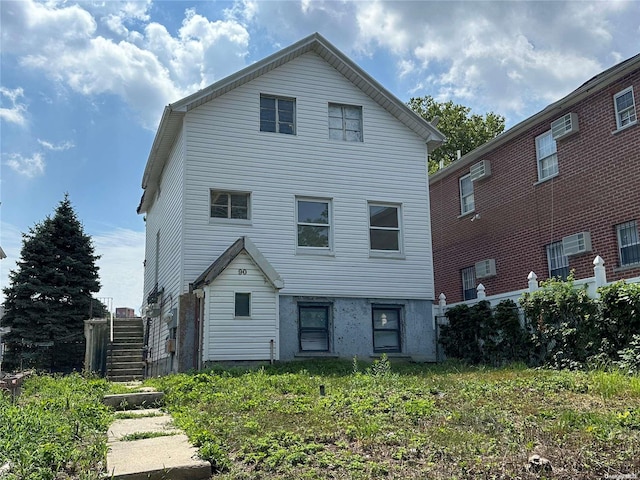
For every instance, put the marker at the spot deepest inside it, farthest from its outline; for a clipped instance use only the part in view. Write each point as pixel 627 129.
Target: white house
pixel 287 215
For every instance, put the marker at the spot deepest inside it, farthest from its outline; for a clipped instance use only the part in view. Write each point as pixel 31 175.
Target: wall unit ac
pixel 486 268
pixel 576 244
pixel 564 126
pixel 480 170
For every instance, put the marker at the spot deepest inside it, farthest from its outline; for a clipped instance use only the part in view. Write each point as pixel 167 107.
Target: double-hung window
pixel 385 233
pixel 277 114
pixel 547 156
pixel 313 328
pixel 628 243
pixel 314 224
pixel 625 108
pixel 467 203
pixel 558 262
pixel 469 291
pixel 386 328
pixel 345 122
pixel 233 205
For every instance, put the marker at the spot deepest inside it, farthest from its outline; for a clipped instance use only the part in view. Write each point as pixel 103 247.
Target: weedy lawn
pixel 408 421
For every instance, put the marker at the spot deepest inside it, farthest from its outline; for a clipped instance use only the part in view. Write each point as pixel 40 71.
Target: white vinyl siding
pixel 229 337
pixel 226 148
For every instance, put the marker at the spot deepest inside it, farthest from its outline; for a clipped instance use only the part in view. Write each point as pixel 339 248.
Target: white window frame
pixel 628 115
pixel 230 206
pixel 468 277
pixel 235 302
pixel 543 156
pixel 278 123
pixel 324 250
pixel 467 199
pixel 628 236
pixel 346 131
pixel 399 229
pixel 556 259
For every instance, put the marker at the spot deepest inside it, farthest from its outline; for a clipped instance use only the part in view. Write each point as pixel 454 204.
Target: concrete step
pixel 170 456
pixel 125 378
pixel 127 339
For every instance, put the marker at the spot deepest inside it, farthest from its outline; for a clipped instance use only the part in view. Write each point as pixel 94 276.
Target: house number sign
pixel 242 271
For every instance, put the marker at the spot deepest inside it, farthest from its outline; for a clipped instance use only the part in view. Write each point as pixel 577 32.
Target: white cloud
pixel 56 148
pixel 30 167
pixel 121 267
pixel 16 112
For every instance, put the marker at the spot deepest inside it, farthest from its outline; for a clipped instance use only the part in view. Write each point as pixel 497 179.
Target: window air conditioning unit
pixel 486 268
pixel 480 170
pixel 576 244
pixel 564 126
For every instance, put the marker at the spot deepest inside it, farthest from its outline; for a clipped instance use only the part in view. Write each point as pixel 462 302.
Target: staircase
pixel 124 356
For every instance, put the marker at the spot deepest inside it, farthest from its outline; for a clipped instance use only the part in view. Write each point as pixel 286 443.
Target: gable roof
pixel 172 116
pixel 551 112
pixel 243 244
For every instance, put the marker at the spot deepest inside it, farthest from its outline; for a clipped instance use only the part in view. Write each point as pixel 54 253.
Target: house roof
pixel 173 114
pixel 551 112
pixel 243 244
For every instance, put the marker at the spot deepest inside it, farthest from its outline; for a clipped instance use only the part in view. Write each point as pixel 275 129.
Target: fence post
pixel 442 305
pixel 599 274
pixel 481 292
pixel 533 282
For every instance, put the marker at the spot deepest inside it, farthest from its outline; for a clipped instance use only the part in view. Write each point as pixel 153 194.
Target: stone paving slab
pixel 159 458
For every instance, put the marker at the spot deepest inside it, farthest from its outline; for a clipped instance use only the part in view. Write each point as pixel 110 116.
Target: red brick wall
pixel 597 187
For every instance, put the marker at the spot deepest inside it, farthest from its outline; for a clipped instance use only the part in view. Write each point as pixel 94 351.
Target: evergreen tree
pixel 464 131
pixel 50 294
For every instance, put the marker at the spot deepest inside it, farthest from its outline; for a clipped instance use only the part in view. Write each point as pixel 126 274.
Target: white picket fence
pixel 598 280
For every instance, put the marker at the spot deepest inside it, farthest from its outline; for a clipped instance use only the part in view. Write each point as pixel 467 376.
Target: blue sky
pixel 83 85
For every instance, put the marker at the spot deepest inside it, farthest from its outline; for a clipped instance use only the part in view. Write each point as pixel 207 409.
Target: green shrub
pixel 619 316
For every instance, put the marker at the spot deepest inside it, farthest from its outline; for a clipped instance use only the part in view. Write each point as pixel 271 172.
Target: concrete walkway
pixel 169 456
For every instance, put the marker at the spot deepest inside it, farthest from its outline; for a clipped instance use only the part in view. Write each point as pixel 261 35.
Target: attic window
pixel 277 114
pixel 345 122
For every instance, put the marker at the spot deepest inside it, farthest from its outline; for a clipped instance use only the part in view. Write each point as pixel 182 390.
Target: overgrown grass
pixel 408 421
pixel 56 429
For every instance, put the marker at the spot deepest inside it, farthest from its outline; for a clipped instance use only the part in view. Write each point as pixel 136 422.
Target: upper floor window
pixel 345 122
pixel 467 203
pixel 546 156
pixel 314 223
pixel 277 114
pixel 558 262
pixel 384 228
pixel 625 108
pixel 229 205
pixel 469 291
pixel 628 243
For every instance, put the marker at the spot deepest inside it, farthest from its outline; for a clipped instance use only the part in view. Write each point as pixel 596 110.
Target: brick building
pixel 547 196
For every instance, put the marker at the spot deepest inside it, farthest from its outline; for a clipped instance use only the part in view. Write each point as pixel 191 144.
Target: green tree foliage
pixel 464 131
pixel 50 294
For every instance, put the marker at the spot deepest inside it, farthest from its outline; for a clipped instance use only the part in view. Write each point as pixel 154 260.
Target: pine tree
pixel 50 294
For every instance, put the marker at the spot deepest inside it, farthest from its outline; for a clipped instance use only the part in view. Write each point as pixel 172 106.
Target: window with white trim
pixel 467 202
pixel 547 156
pixel 625 108
pixel 557 261
pixel 628 243
pixel 386 328
pixel 233 205
pixel 469 291
pixel 313 328
pixel 345 122
pixel 385 232
pixel 277 114
pixel 242 305
pixel 314 223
